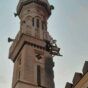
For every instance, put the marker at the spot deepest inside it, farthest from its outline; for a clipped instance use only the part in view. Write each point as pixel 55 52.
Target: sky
pixel 68 24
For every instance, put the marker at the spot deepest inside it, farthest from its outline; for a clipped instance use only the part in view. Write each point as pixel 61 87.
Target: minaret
pixel 33 48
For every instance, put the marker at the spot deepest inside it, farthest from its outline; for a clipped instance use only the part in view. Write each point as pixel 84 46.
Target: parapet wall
pixel 80 79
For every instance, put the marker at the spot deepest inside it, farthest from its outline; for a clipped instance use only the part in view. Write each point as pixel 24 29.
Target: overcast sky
pixel 68 25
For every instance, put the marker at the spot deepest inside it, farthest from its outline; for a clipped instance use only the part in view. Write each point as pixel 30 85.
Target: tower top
pixel 43 3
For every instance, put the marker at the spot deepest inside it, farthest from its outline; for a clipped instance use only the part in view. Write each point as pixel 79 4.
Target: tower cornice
pixel 22 39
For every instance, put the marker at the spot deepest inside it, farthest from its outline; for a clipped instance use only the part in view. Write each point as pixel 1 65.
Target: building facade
pixel 80 80
pixel 33 48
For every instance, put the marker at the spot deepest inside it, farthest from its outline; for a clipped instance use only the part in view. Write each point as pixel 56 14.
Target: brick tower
pixel 33 48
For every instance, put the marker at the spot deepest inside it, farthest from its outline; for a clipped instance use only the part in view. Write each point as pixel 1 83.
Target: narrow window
pixel 37 23
pixel 32 21
pixel 43 25
pixel 19 67
pixel 38 76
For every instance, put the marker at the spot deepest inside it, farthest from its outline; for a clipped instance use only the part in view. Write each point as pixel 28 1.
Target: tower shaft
pixel 32 49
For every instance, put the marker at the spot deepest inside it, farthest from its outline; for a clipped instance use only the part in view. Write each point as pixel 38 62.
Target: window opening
pixel 43 25
pixel 38 76
pixel 37 23
pixel 33 21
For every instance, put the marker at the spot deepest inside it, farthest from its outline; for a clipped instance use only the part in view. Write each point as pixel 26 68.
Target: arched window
pixel 37 23
pixel 27 22
pixel 33 22
pixel 42 25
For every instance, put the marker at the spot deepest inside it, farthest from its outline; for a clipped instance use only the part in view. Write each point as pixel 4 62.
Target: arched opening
pixel 37 23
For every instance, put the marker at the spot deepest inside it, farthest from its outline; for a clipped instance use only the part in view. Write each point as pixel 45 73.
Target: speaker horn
pixel 10 40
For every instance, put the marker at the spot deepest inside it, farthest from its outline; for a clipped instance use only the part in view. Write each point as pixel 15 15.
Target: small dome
pixel 46 1
pixel 43 3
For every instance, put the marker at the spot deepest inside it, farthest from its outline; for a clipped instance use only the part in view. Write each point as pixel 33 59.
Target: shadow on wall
pixel 49 64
